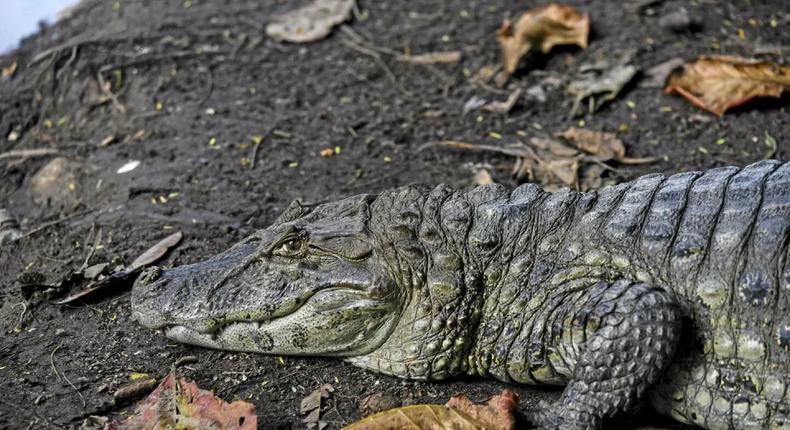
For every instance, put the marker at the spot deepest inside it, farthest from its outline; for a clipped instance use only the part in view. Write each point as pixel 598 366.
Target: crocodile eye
pixel 290 248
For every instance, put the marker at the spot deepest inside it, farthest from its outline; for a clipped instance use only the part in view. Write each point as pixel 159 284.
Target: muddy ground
pixel 193 82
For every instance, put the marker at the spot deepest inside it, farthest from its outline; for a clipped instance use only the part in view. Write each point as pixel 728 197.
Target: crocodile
pixel 672 290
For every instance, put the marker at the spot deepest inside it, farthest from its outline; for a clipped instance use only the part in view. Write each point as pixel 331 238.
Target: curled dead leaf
pixel 498 413
pixel 542 29
pixel 719 83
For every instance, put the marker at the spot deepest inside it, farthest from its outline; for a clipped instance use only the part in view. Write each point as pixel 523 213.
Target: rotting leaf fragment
pixel 542 29
pixel 719 83
pixel 310 23
pixel 498 413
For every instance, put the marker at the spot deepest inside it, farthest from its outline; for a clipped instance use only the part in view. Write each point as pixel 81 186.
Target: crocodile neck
pixel 474 265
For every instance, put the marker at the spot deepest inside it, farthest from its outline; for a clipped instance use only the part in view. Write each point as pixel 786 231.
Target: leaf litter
pixel 311 406
pixel 575 158
pixel 601 82
pixel 178 403
pixel 150 256
pixel 458 413
pixel 541 29
pixel 720 83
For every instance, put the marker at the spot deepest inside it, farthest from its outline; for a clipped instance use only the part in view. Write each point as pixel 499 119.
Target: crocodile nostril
pixel 150 275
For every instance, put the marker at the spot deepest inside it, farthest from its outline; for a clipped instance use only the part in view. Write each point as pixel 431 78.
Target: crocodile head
pixel 310 284
pixel 393 283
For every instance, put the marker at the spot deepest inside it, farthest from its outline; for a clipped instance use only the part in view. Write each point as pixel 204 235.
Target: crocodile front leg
pixel 637 330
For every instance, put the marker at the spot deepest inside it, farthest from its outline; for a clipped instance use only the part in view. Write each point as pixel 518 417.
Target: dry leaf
pixel 719 83
pixel 604 146
pixel 542 29
pixel 598 89
pixel 459 413
pixel 311 406
pixel 182 404
pixel 498 412
pixel 310 23
pixel 157 251
pixel 449 57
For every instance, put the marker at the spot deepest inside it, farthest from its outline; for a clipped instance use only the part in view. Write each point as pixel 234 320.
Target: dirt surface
pixel 192 83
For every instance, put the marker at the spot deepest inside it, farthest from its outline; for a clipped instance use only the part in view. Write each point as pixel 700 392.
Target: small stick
pixel 108 92
pixel 377 58
pixel 28 153
pixel 210 87
pixel 64 377
pixel 22 315
pixel 92 251
pixel 56 222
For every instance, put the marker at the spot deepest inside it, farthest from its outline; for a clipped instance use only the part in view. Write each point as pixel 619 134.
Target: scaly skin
pixel 676 287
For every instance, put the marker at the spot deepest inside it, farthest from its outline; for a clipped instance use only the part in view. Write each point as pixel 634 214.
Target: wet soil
pixel 192 83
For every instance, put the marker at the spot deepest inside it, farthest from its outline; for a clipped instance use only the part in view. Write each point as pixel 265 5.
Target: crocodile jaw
pixel 299 333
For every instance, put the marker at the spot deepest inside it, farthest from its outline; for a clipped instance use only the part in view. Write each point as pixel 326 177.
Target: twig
pixel 22 315
pixel 28 153
pixel 353 184
pixel 56 222
pixel 377 58
pixel 92 251
pixel 52 362
pixel 512 151
pixel 71 59
pixel 108 92
pixel 156 58
pixel 254 156
pixel 210 87
pixel 361 41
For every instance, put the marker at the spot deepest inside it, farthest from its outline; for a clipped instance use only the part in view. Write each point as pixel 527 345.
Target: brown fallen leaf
pixel 604 146
pixel 542 29
pixel 601 146
pixel 460 413
pixel 178 403
pixel 157 251
pixel 449 57
pixel 498 412
pixel 719 83
pixel 311 406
